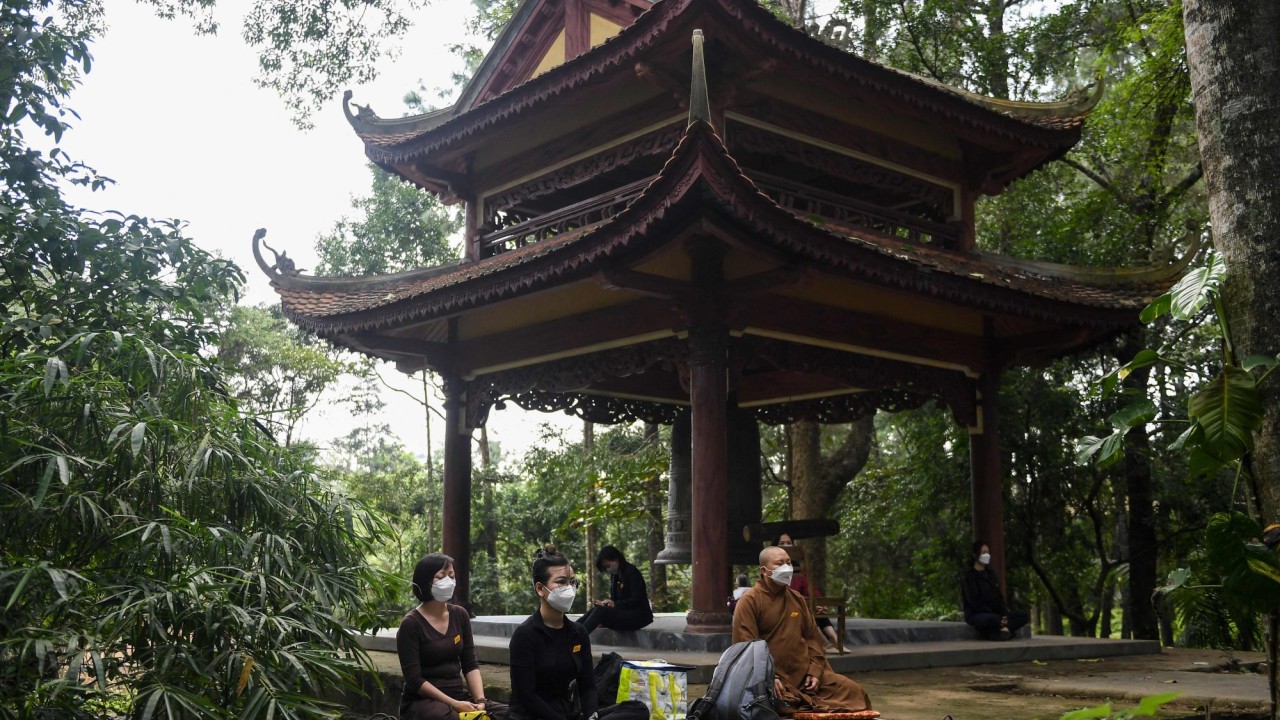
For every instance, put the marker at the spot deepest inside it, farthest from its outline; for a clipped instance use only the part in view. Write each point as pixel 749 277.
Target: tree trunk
pixel 1233 50
pixel 431 470
pixel 653 529
pixel 588 443
pixel 1142 529
pixel 816 481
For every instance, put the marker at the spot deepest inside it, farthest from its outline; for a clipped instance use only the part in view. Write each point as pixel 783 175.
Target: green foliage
pixel 898 553
pixel 309 49
pixel 161 547
pixel 160 555
pixel 399 227
pixel 276 371
pixel 1148 706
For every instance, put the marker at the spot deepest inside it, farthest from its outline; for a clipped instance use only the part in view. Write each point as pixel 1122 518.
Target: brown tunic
pixel 779 616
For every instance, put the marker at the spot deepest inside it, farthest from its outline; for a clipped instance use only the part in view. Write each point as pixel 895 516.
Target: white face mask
pixel 562 597
pixel 782 574
pixel 442 589
pixel 985 558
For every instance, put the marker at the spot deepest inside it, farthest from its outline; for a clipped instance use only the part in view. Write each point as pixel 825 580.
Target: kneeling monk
pixel 780 616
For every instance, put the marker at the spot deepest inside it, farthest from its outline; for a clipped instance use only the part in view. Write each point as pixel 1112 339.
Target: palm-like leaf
pixel 1195 289
pixel 1228 411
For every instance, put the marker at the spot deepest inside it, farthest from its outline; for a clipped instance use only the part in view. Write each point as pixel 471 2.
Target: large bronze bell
pixel 742 503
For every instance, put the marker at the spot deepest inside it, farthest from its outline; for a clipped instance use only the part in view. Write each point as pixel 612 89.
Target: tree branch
pixel 1183 185
pixel 1092 175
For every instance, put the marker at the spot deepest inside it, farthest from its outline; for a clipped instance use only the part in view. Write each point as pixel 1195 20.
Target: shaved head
pixel 768 554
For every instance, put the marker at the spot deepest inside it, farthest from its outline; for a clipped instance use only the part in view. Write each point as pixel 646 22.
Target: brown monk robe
pixel 779 615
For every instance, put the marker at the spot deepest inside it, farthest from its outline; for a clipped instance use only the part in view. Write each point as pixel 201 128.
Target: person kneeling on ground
pixel 984 606
pixel 778 615
pixel 627 607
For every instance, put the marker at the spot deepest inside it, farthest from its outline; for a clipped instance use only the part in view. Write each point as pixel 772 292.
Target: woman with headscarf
pixel 437 653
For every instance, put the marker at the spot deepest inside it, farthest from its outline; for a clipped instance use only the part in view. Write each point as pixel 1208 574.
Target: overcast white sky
pixel 176 120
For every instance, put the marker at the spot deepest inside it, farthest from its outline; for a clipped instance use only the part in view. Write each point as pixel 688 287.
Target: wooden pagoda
pixel 759 223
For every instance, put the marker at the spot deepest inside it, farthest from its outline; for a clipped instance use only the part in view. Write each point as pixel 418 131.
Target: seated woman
pixel 628 605
pixel 984 606
pixel 437 654
pixel 549 652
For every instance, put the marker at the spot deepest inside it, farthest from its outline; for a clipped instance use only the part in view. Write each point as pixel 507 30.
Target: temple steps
pixel 870 645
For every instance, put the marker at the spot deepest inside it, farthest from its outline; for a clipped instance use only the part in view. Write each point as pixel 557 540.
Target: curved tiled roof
pixel 1050 125
pixel 700 180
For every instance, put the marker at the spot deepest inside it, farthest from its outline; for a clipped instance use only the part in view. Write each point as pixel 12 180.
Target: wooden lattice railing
pixel 806 202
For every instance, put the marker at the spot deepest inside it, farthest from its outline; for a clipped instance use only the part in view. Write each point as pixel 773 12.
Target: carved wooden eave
pixel 1023 135
pixel 701 190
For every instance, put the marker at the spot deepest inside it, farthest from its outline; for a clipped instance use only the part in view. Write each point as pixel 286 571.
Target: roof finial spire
pixel 699 104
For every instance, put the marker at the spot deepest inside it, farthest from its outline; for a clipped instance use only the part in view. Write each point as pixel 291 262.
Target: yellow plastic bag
pixel 661 686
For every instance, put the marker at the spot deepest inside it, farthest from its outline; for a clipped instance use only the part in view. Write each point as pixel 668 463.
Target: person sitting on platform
pixel 773 612
pixel 984 605
pixel 627 607
pixel 549 652
pixel 800 583
pixel 437 654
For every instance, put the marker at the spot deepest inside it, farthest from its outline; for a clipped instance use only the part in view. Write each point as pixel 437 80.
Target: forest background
pixel 170 538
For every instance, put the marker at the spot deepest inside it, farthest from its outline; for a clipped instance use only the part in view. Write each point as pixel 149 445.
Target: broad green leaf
pixel 1265 569
pixel 1233 549
pixel 1201 464
pixel 1139 412
pixel 1180 442
pixel 1194 290
pixel 1228 411
pixel 1177 579
pixel 1158 307
pixel 1145 357
pixel 1105 451
pixel 1150 704
pixel 1265 361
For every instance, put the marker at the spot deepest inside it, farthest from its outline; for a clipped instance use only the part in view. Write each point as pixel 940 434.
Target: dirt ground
pixel 1031 690
pixel 1002 691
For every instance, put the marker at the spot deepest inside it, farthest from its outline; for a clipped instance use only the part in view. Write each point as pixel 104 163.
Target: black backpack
pixel 608 672
pixel 741 687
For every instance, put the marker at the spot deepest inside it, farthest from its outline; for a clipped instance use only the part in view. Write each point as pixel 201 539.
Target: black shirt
pixel 982 593
pixel 544 660
pixel 628 592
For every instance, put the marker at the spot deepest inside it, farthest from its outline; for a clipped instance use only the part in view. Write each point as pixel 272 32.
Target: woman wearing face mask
pixel 984 606
pixel 437 655
pixel 627 607
pixel 549 651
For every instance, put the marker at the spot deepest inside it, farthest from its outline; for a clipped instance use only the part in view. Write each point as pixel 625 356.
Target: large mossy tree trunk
pixel 816 480
pixel 1233 51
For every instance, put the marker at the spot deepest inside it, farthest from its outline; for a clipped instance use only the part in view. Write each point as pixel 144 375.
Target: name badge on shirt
pixel 457 639
pixel 577 648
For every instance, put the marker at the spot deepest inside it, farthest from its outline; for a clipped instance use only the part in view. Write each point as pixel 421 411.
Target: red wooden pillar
pixel 708 344
pixel 987 481
pixel 457 486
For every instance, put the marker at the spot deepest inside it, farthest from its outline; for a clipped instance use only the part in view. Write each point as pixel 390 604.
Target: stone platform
pixel 870 645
